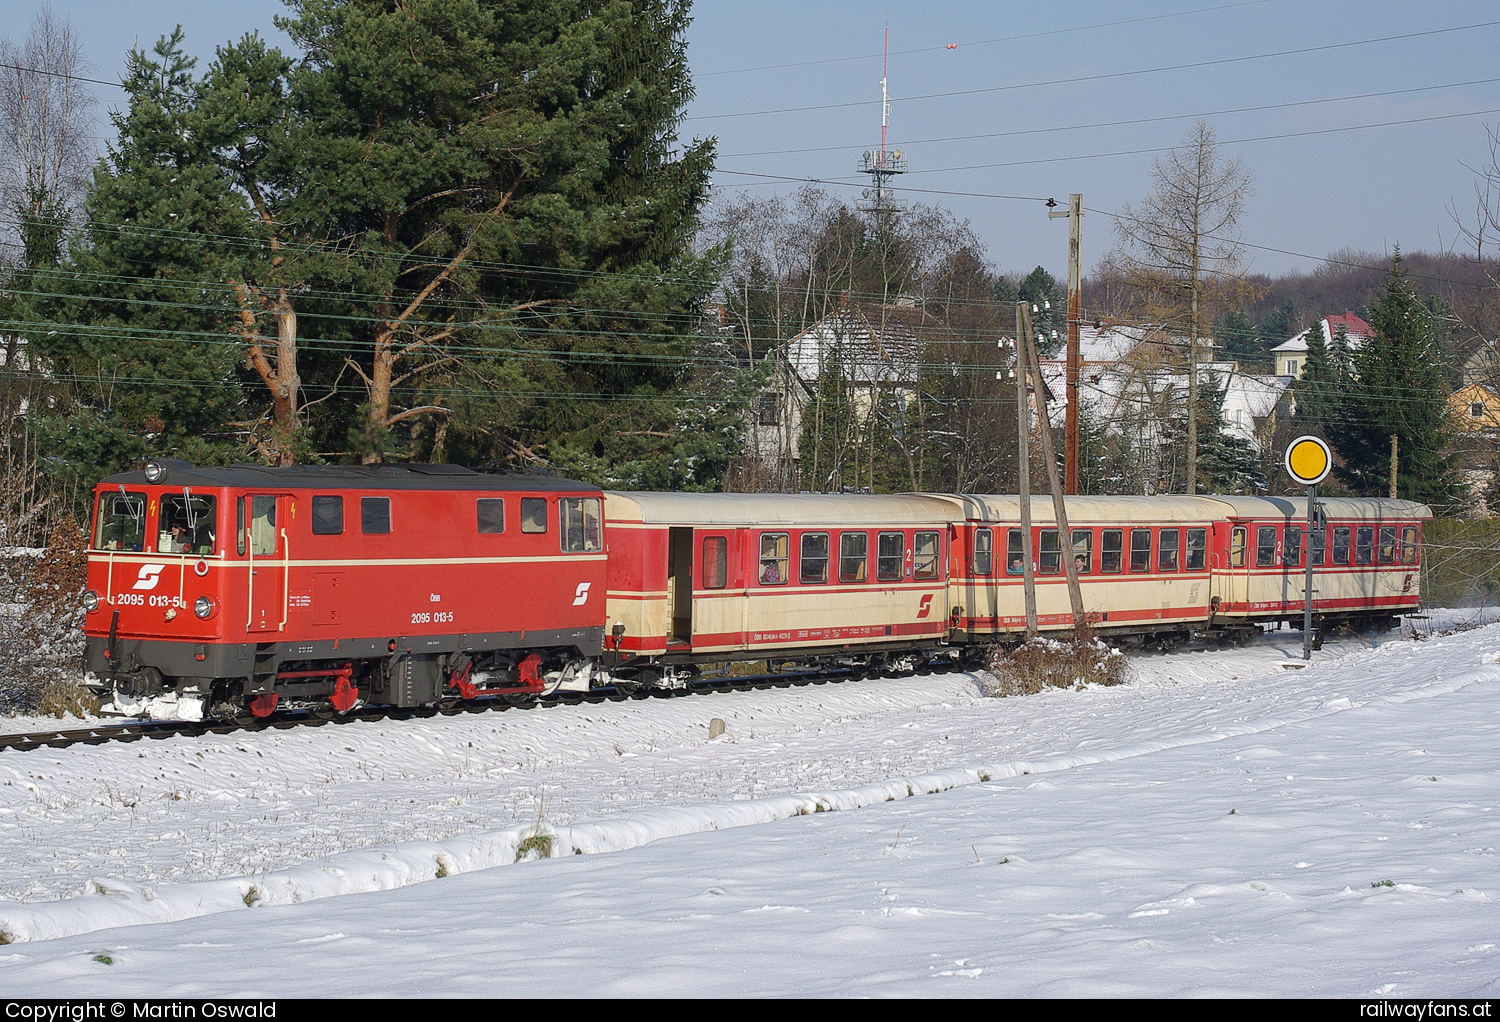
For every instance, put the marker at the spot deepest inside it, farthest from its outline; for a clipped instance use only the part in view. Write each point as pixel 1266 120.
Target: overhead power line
pixel 1109 75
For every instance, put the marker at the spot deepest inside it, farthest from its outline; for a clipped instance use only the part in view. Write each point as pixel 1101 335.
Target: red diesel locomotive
pixel 247 589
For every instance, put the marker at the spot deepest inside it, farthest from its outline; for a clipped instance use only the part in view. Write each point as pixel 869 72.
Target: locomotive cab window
pixel 328 516
pixel 1111 551
pixel 1166 552
pixel 854 548
pixel 375 516
pixel 490 512
pixel 715 562
pixel 1341 545
pixel 1140 550
pixel 925 557
pixel 775 550
pixel 187 524
pixel 890 556
pixel 262 525
pixel 1364 544
pixel 1049 556
pixel 1387 550
pixel 813 566
pixel 984 551
pixel 533 514
pixel 581 530
pixel 1265 546
pixel 1291 547
pixel 1083 551
pixel 1197 550
pixel 122 522
pixel 1409 544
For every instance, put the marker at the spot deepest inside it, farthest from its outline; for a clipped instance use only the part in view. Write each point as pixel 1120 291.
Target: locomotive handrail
pixel 249 585
pixel 286 578
pixel 109 580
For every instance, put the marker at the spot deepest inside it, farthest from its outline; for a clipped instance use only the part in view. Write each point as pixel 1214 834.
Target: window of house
pixel 328 516
pixel 854 551
pixel 769 410
pixel 715 562
pixel 1140 550
pixel 984 551
pixel 775 551
pixel 925 557
pixel 1111 550
pixel 1476 410
pixel 491 514
pixel 890 555
pixel 1265 546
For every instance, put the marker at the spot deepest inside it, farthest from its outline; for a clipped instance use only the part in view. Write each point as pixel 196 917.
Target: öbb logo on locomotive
pixel 302 579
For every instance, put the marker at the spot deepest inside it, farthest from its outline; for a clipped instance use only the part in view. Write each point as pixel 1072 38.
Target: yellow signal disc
pixel 1308 460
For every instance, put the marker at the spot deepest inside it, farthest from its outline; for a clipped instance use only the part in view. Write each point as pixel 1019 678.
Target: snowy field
pixel 1221 825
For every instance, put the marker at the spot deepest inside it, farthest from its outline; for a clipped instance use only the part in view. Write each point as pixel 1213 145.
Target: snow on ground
pixel 1100 856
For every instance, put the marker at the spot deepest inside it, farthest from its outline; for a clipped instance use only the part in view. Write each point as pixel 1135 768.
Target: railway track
pixel 134 731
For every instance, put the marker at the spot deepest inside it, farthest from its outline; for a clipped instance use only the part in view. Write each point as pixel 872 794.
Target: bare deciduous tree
pixel 1179 251
pixel 46 134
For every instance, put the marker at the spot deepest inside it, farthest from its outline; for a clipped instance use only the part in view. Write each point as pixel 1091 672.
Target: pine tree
pixel 1236 332
pixel 1227 461
pixel 1398 389
pixel 1319 390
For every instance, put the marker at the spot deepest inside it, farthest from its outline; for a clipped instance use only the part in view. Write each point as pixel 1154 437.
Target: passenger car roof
pixel 349 477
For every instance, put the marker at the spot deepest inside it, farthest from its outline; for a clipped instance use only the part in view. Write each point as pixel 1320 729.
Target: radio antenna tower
pixel 879 199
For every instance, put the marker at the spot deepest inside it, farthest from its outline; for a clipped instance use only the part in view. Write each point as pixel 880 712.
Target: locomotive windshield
pixel 122 522
pixel 187 524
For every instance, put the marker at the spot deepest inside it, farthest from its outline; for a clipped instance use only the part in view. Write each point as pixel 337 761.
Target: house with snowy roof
pixel 1291 355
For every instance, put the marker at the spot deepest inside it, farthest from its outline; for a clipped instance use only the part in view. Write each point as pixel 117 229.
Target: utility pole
pixel 1059 505
pixel 1395 444
pixel 1075 314
pixel 1023 472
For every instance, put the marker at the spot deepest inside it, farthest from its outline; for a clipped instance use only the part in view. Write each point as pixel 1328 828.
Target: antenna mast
pixel 883 165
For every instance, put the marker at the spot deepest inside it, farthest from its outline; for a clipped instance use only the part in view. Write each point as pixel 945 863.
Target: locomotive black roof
pixel 356 477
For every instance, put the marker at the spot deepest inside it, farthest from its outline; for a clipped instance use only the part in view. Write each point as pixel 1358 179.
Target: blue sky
pixel 1317 191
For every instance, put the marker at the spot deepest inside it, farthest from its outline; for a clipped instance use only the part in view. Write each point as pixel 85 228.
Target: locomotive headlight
pixel 204 607
pixel 155 471
pixel 90 601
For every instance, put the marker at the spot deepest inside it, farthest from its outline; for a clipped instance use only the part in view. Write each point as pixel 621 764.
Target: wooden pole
pixel 1059 505
pixel 1023 472
pixel 1395 444
pixel 1075 314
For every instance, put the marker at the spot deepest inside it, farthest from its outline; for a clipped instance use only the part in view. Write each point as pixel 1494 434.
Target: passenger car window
pixel 890 555
pixel 984 551
pixel 1341 545
pixel 774 555
pixel 1318 544
pixel 328 516
pixel 490 512
pixel 122 522
pixel 1291 546
pixel 1409 545
pixel 813 566
pixel 1049 556
pixel 1166 553
pixel 374 515
pixel 1364 544
pixel 1197 550
pixel 1083 551
pixel 1265 546
pixel 854 548
pixel 1111 550
pixel 715 562
pixel 1140 550
pixel 1237 540
pixel 1387 551
pixel 1015 556
pixel 925 557
pixel 581 531
pixel 533 514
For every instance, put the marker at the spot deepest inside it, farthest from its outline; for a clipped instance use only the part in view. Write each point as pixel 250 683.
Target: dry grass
pixel 1052 663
